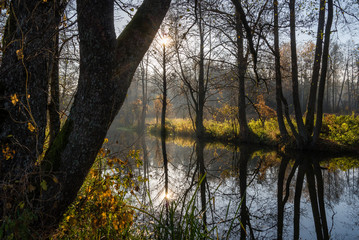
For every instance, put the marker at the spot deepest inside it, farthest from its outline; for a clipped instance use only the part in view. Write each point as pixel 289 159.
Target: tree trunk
pixel 164 94
pixel 24 76
pixel 201 84
pixel 278 75
pixel 107 66
pixel 144 80
pixel 298 112
pixel 309 121
pixel 242 67
pixel 323 76
pixel 54 105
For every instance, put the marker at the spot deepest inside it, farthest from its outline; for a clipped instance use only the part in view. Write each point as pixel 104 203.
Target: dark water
pixel 270 194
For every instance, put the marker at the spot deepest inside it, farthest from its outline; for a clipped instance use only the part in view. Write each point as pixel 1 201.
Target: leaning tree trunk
pixel 101 91
pixel 323 76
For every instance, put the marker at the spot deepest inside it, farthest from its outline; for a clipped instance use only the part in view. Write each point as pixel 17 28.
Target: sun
pixel 164 41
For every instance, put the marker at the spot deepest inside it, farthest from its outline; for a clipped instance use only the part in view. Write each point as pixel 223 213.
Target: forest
pixel 179 119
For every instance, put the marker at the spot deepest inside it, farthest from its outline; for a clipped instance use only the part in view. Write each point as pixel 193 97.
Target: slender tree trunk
pixel 278 75
pixel 318 124
pixel 164 94
pixel 242 67
pixel 342 87
pixel 333 93
pixel 200 131
pixel 298 112
pixel 144 80
pixel 309 121
pixel 349 92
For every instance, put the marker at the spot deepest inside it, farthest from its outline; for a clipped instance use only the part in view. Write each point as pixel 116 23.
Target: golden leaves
pixel 64 19
pixel 54 178
pixel 7 152
pixel 20 54
pixel 30 127
pixel 14 99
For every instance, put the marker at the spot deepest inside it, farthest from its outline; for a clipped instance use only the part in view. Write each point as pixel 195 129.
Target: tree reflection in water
pixel 250 192
pixel 309 168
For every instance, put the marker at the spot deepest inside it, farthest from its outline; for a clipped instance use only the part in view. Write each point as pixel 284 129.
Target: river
pixel 246 191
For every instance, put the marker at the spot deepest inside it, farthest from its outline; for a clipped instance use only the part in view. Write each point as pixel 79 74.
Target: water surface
pixel 257 192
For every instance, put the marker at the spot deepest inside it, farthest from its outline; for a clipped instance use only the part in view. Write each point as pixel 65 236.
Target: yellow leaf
pixel 14 99
pixel 55 179
pixel 20 54
pixel 30 127
pixel 105 141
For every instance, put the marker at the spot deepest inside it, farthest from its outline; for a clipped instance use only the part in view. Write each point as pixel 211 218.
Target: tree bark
pixel 107 66
pixel 24 76
pixel 201 81
pixel 54 105
pixel 323 76
pixel 164 94
pixel 309 121
pixel 298 112
pixel 242 68
pixel 278 75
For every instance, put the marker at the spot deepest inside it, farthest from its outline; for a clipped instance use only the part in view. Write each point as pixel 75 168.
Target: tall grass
pixel 343 129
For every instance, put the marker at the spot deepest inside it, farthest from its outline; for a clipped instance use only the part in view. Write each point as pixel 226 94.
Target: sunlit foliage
pixel 100 209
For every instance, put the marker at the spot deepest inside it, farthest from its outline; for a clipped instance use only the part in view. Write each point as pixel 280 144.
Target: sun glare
pixel 167 195
pixel 164 40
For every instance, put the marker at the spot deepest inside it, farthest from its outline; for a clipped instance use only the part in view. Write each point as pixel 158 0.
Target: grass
pixel 341 131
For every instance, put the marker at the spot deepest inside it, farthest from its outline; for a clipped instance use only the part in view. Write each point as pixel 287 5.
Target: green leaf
pixel 43 185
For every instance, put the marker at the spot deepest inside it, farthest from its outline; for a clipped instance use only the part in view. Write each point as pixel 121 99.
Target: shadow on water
pixel 247 192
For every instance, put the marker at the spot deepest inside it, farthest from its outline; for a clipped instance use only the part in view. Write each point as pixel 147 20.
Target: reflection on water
pixel 249 192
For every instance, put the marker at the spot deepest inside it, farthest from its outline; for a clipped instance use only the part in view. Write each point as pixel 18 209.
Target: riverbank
pixel 339 134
